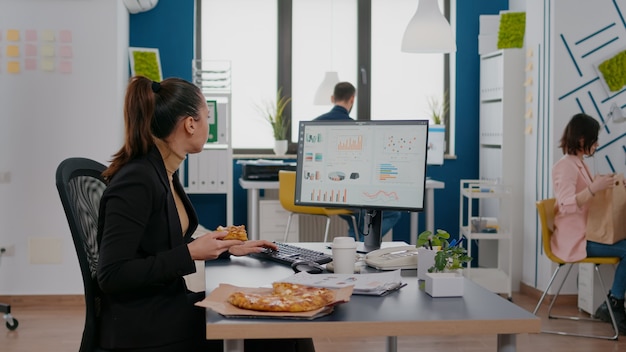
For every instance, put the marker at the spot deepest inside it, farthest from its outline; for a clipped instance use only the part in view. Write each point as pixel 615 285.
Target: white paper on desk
pixel 364 284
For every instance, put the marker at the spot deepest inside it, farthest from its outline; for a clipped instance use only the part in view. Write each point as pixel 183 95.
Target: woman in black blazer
pixel 145 225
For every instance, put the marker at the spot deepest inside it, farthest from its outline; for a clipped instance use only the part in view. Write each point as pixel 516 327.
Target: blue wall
pixel 169 27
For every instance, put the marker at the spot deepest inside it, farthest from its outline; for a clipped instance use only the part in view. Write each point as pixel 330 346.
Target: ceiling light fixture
pixel 428 31
pixel 331 78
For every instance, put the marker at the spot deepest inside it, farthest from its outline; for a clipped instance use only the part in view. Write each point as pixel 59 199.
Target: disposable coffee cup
pixel 344 255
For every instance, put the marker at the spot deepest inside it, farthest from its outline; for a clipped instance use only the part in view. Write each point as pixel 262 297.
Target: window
pixel 402 82
pixel 325 36
pixel 244 32
pixel 324 39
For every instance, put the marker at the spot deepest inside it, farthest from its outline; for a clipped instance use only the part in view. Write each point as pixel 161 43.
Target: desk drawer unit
pixel 273 222
pixel 590 294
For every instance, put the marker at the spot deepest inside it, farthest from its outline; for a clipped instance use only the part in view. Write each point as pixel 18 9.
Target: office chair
pixel 286 196
pixel 80 185
pixel 10 322
pixel 545 208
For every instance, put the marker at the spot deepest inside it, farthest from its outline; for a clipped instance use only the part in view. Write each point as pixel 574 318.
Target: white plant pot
pixel 280 147
pixel 425 259
pixel 444 284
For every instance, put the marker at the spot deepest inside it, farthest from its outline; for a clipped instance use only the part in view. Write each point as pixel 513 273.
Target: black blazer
pixel 143 258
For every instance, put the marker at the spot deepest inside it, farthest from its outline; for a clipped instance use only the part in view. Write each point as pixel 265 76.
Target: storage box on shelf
pixel 474 227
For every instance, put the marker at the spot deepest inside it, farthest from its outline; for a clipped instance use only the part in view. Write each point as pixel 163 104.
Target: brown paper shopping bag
pixel 606 220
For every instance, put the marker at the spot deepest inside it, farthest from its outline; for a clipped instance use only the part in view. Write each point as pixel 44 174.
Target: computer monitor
pixel 371 165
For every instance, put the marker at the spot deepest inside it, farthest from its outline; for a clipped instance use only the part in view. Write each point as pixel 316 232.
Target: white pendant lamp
pixel 326 89
pixel 428 31
pixel 331 78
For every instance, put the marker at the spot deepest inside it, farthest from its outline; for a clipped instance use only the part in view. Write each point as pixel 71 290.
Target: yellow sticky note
pixel 13 35
pixel 47 36
pixel 13 51
pixel 47 50
pixel 13 67
pixel 530 53
pixel 47 65
pixel 529 67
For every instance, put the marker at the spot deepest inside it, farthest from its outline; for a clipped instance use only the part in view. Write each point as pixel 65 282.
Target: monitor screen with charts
pixel 372 165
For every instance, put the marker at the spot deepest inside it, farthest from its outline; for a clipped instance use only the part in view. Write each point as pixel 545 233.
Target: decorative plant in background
pixel 511 31
pixel 614 72
pixel 274 112
pixel 438 108
pixel 145 62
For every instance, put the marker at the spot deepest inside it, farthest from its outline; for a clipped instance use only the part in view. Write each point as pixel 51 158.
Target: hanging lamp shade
pixel 326 89
pixel 428 31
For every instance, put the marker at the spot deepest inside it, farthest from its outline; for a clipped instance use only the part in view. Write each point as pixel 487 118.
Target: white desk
pixel 253 188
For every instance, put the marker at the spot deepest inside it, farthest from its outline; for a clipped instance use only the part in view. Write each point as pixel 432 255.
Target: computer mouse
pixel 308 266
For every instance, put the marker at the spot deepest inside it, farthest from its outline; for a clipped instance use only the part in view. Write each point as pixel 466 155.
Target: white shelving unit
pixel 211 171
pixel 497 279
pixel 501 145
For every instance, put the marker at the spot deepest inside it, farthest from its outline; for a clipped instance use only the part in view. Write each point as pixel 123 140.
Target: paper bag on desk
pixel 217 300
pixel 606 219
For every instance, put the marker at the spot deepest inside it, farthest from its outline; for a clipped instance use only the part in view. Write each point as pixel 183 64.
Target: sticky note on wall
pixel 30 64
pixel 13 67
pixel 13 51
pixel 47 50
pixel 47 36
pixel 65 36
pixel 13 35
pixel 65 51
pixel 31 35
pixel 65 67
pixel 30 50
pixel 47 65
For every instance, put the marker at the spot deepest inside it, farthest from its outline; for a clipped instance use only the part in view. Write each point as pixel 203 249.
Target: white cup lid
pixel 344 242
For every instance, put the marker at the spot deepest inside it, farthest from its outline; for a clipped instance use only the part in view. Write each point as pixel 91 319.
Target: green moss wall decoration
pixel 145 62
pixel 512 28
pixel 613 71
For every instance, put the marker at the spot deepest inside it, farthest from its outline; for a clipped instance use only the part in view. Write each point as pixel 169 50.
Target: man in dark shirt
pixel 343 99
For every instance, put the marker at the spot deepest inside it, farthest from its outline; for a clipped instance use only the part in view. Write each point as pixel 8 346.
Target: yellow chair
pixel 286 195
pixel 545 208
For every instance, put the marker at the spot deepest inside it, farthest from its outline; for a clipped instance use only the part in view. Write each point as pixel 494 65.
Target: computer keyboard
pixel 287 254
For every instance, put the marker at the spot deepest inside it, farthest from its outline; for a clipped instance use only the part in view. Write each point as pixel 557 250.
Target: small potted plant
pixel 450 258
pixel 433 240
pixel 274 113
pixel 438 109
pixel 441 268
pixel 428 244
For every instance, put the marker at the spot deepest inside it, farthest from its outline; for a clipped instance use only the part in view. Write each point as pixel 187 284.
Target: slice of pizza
pixel 234 232
pixel 285 297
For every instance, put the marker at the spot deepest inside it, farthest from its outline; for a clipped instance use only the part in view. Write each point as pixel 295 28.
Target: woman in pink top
pixel 574 186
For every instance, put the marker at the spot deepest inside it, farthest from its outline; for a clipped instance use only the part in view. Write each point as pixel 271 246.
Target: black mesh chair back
pixel 80 185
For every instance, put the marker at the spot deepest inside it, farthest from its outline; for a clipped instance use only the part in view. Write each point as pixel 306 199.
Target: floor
pixel 59 330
